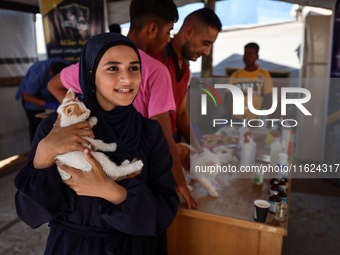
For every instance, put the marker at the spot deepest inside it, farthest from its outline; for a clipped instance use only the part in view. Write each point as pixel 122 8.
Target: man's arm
pixel 164 121
pixel 57 88
pixel 33 100
pixel 184 126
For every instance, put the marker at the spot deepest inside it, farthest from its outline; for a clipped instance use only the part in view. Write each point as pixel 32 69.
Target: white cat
pixel 190 157
pixel 73 111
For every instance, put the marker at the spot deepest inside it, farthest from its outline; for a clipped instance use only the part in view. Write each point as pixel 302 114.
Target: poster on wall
pixel 68 24
pixel 332 130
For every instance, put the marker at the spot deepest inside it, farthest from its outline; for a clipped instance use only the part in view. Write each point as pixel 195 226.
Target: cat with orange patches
pixel 73 111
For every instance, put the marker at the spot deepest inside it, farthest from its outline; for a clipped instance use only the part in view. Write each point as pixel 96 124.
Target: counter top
pixel 234 204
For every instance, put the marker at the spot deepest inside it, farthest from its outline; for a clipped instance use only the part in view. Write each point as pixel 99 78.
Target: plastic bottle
pixel 246 151
pixel 241 133
pixel 287 140
pixel 287 183
pixel 274 201
pixel 280 214
pixel 274 181
pixel 283 165
pixel 283 184
pixel 275 149
pixel 253 144
pixel 274 189
pixel 258 176
pixel 282 194
pixel 282 210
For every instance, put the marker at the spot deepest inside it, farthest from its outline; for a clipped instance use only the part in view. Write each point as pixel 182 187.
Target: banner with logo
pixel 68 24
pixel 244 143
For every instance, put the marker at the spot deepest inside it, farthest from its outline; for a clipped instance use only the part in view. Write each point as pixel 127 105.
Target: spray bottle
pixel 242 131
pixel 248 150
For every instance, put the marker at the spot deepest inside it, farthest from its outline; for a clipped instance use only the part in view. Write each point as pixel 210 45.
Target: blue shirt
pixel 35 83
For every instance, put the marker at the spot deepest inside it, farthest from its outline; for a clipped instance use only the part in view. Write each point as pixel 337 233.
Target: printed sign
pixel 69 24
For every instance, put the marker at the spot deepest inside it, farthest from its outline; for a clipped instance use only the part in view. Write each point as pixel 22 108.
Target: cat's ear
pixel 69 110
pixel 69 95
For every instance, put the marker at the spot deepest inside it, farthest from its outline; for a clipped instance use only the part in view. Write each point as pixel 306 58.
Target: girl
pixel 89 213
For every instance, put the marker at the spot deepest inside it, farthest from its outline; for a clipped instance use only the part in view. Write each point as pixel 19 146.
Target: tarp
pixel 17 49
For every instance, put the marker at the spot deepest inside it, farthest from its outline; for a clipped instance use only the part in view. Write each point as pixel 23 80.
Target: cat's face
pixel 72 110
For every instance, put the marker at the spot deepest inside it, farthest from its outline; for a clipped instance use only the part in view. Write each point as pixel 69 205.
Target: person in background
pixel 256 78
pixel 115 28
pixel 36 98
pixel 93 214
pixel 151 22
pixel 195 39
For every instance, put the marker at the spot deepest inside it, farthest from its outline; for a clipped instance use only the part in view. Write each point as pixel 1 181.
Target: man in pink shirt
pixel 150 31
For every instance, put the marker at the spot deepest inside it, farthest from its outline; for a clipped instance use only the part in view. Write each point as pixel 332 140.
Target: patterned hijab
pixel 123 124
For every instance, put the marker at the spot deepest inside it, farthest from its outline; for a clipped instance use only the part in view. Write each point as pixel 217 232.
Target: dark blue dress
pixel 91 225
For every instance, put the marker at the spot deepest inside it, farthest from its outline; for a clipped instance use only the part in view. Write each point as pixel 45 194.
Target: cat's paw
pixel 112 146
pixel 125 162
pixel 99 145
pixel 93 121
pixel 64 175
pixel 138 165
pixel 213 193
pixel 190 188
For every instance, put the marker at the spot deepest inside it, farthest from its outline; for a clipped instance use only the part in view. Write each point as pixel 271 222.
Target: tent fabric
pixel 18 51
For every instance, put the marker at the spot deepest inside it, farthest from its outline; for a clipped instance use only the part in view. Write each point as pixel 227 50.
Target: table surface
pixel 234 203
pixel 44 114
pixel 237 193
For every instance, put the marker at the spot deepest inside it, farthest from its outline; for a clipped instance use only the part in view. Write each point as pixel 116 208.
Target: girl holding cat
pixel 89 213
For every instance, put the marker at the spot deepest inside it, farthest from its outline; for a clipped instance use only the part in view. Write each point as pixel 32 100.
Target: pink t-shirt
pixel 155 94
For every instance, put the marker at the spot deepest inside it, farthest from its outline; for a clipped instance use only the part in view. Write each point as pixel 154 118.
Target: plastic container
pixel 253 144
pixel 258 178
pixel 274 181
pixel 282 209
pixel 281 212
pixel 241 133
pixel 246 151
pixel 274 201
pixel 283 184
pixel 275 149
pixel 283 165
pixel 274 189
pixel 287 135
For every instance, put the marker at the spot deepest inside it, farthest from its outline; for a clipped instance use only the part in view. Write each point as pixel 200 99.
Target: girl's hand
pixel 94 183
pixel 61 140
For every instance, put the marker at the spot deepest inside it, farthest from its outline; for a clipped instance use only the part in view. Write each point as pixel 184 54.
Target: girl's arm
pixel 39 185
pixel 61 140
pixel 131 205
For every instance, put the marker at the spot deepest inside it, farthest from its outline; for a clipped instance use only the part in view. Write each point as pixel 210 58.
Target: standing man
pixel 256 78
pixel 34 93
pixel 195 39
pixel 151 22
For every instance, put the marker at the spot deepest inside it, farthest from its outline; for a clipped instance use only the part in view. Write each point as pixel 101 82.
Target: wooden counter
pixel 225 225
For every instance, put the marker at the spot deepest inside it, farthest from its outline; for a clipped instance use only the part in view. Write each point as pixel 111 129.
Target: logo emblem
pixel 204 97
